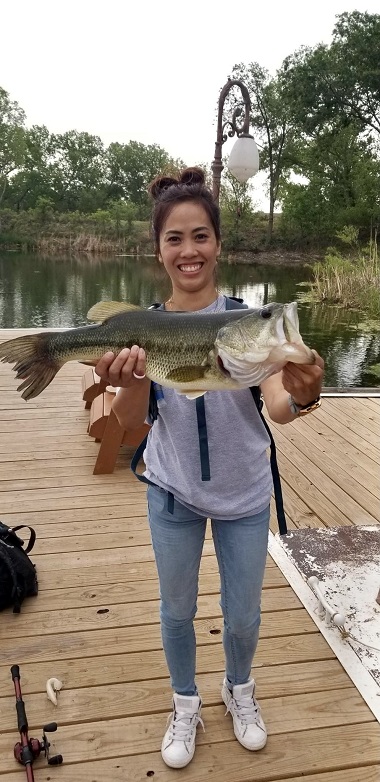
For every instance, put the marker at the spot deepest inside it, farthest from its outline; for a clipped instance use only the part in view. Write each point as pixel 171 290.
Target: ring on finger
pixel 138 377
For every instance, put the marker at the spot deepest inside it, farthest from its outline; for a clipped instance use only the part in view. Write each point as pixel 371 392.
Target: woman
pixel 237 491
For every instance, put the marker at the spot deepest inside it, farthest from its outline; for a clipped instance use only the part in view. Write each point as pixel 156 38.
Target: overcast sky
pixel 149 71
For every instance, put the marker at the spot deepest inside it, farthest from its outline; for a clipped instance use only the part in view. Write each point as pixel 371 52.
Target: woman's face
pixel 189 248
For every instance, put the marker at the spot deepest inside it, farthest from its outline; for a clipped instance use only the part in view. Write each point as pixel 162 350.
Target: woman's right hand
pixel 118 371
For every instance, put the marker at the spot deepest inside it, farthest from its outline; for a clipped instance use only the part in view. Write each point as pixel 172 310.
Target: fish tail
pixel 34 363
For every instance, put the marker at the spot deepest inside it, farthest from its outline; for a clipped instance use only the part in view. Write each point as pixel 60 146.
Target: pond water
pixel 58 292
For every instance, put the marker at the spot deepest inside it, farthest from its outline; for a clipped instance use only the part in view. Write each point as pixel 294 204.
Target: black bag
pixel 18 577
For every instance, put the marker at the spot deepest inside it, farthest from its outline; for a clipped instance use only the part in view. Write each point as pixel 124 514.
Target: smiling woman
pixel 206 458
pixel 187 238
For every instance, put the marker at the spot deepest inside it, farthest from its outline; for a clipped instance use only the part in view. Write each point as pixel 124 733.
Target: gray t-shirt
pixel 240 476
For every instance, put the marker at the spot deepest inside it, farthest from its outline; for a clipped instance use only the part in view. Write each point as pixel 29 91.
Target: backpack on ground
pixel 18 578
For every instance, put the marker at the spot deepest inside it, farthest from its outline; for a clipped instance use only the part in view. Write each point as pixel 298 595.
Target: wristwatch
pixel 304 409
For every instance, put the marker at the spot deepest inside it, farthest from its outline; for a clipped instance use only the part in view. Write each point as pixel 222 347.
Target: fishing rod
pixel 28 749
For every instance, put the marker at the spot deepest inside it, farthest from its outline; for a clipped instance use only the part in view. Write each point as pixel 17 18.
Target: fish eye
pixel 265 313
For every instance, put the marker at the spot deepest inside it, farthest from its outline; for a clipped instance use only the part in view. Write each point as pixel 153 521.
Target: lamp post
pixel 244 158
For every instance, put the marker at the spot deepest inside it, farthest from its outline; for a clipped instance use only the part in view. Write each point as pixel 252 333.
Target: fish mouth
pixel 292 342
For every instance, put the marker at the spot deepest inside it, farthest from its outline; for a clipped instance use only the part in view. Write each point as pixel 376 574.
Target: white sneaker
pixel 178 744
pixel 249 726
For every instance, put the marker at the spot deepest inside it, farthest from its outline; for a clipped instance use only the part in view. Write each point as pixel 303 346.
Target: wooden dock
pixel 95 622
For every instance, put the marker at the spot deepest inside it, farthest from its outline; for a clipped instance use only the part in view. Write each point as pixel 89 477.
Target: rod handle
pixel 15 671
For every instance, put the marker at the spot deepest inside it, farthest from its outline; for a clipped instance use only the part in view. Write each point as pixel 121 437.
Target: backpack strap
pixel 32 538
pixel 233 303
pixel 281 519
pixel 134 463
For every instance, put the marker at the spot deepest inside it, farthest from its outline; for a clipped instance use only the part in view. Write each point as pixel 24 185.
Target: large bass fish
pixel 190 352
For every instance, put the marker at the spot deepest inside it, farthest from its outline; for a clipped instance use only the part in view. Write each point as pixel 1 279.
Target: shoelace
pixel 183 725
pixel 247 709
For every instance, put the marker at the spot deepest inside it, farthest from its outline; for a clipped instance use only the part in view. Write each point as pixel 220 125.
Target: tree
pixel 342 80
pixel 77 171
pixel 12 138
pixel 236 210
pixel 343 187
pixel 271 127
pixel 130 169
pixel 32 180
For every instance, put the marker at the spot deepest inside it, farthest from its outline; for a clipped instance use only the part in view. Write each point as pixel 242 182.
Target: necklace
pixel 218 304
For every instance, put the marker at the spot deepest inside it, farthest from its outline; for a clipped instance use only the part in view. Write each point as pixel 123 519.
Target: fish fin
pixel 105 309
pixel 89 363
pixel 186 373
pixel 33 365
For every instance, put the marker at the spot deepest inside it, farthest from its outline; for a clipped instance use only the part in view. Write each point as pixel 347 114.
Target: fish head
pixel 261 343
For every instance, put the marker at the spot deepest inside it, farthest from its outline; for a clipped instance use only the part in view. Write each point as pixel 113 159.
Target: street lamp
pixel 244 158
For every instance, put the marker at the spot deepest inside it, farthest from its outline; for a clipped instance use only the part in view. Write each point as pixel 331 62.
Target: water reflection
pixel 43 292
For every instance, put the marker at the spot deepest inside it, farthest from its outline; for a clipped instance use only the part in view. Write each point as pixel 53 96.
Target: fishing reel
pixel 30 752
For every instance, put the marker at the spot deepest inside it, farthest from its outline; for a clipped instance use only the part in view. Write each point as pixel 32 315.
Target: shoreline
pixel 246 258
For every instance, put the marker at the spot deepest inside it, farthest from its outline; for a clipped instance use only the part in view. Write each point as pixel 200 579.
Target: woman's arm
pixel 131 403
pixel 302 381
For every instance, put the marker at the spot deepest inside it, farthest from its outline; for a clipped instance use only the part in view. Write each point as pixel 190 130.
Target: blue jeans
pixel 241 550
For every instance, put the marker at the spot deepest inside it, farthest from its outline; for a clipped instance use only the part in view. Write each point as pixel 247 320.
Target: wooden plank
pixel 355 467
pixel 313 468
pixel 98 574
pixel 335 444
pixel 126 590
pixel 354 424
pixel 310 493
pixel 103 512
pixel 303 752
pixel 289 677
pixel 346 433
pixel 124 614
pixel 110 557
pixel 358 409
pixel 80 484
pixel 87 643
pixel 62 467
pixel 144 733
pixel 365 496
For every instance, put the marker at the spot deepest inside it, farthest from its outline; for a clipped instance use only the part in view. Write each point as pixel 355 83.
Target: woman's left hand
pixel 304 381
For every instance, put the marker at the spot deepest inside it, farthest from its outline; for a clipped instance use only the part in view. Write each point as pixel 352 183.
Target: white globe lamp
pixel 243 162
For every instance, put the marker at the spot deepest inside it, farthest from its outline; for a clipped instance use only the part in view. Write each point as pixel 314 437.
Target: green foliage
pixel 12 138
pixel 337 84
pixel 237 217
pixel 349 280
pixel 317 125
pixel 130 169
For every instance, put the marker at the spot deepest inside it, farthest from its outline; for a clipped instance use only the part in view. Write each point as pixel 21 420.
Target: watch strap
pixel 301 410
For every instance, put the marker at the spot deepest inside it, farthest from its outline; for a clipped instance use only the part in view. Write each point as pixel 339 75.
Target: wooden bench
pixel 92 386
pixel 106 430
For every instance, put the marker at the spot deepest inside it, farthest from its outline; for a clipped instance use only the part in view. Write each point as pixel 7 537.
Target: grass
pixel 351 281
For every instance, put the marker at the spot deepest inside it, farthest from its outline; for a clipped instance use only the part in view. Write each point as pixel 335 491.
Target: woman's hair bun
pixel 189 176
pixel 161 183
pixel 192 176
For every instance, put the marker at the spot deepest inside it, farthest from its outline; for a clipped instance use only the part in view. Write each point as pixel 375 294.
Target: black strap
pixel 32 538
pixel 134 463
pixel 203 439
pixel 281 519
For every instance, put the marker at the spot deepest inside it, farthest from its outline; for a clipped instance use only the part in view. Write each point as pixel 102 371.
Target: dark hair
pixel 168 191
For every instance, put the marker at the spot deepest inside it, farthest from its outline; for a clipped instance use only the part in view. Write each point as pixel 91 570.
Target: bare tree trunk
pixel 271 217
